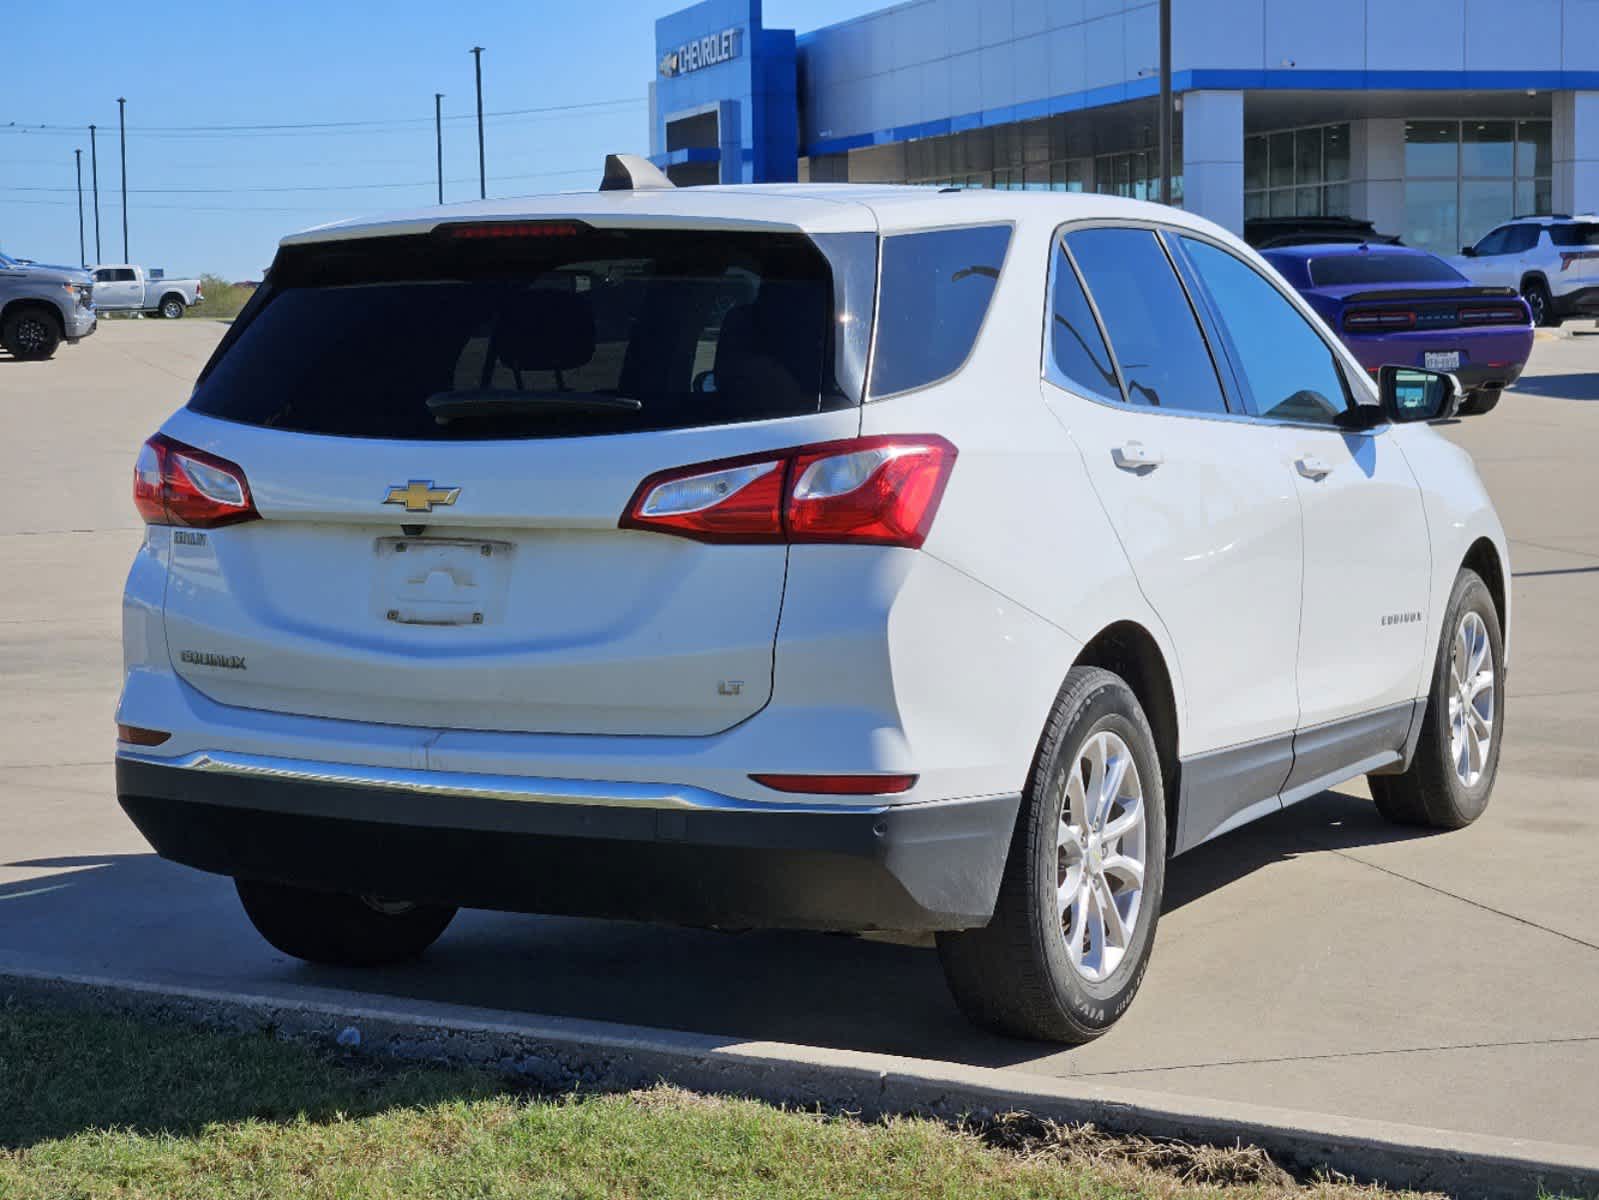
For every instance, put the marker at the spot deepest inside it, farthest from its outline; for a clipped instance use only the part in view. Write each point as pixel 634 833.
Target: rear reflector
pixel 175 484
pixel 881 491
pixel 135 736
pixel 838 785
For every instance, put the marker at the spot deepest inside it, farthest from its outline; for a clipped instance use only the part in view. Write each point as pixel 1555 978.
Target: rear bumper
pixel 641 852
pixel 1584 302
pixel 1488 356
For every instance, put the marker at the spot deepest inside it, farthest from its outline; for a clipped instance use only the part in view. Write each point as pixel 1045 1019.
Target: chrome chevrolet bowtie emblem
pixel 419 495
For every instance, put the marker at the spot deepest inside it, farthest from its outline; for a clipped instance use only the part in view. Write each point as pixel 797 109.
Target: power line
pixel 321 187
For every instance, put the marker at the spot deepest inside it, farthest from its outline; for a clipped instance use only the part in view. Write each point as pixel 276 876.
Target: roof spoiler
pixel 630 173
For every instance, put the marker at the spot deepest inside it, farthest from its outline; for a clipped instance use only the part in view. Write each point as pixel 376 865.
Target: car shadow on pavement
pixel 137 916
pixel 1579 385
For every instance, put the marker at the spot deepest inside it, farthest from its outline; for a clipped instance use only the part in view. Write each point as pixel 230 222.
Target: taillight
pixel 881 491
pixel 1368 320
pixel 175 484
pixel 1494 316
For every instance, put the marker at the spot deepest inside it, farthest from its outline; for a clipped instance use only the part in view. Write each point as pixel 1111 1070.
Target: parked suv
pixel 840 558
pixel 1552 261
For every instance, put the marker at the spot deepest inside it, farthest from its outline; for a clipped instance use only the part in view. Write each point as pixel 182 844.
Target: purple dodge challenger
pixel 1395 304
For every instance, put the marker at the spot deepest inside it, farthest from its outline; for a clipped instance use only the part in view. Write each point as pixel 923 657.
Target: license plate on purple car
pixel 1441 360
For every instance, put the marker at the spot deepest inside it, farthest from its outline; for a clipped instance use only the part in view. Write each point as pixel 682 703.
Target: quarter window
pixel 1287 371
pixel 935 291
pixel 1152 326
pixel 1075 342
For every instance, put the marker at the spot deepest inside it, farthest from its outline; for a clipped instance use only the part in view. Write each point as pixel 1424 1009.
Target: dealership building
pixel 1434 119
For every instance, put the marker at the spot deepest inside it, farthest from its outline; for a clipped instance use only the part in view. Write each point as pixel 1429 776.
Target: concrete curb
pixel 558 1052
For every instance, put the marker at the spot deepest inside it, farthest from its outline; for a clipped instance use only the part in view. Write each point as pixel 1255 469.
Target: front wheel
pixel 31 334
pixel 1449 781
pixel 341 930
pixel 172 308
pixel 1536 293
pixel 1074 922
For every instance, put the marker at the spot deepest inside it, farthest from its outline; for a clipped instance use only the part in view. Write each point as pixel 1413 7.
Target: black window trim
pixel 1059 379
pixel 870 397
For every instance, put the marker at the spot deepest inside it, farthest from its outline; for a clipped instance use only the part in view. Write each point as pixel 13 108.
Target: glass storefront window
pixel 1297 172
pixel 1307 202
pixel 1488 148
pixel 1280 149
pixel 1432 215
pixel 1533 156
pixel 1334 152
pixel 1307 156
pixel 1432 148
pixel 1254 164
pixel 1533 196
pixel 1484 203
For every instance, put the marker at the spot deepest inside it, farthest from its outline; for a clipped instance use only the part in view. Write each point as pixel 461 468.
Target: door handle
pixel 1312 468
pixel 1135 456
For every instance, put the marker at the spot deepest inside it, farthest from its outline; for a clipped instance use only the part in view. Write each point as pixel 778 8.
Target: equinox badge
pixel 419 495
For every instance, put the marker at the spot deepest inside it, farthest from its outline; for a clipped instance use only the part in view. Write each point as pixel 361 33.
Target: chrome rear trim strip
pixel 474 785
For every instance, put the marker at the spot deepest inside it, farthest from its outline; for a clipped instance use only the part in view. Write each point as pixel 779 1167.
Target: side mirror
pixel 1469 251
pixel 1412 394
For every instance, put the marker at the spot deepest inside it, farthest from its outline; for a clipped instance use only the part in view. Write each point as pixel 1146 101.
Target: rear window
pixel 1575 234
pixel 1339 269
pixel 934 294
pixel 578 331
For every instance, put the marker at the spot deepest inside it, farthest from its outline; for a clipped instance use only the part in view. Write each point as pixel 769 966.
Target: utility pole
pixel 482 172
pixel 94 165
pixel 77 158
pixel 438 136
pixel 122 128
pixel 1165 103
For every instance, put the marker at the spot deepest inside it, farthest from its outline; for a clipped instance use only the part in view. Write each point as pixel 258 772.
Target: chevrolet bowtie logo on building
pixel 419 495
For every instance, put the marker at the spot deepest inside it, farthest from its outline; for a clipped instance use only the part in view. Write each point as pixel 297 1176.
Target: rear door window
pixel 1075 342
pixel 576 331
pixel 1575 234
pixel 1164 359
pixel 933 295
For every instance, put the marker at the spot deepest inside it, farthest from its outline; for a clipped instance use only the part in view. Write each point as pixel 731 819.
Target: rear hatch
pixel 440 432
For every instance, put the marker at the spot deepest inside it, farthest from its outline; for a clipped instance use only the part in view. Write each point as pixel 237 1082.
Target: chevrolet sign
pixel 703 52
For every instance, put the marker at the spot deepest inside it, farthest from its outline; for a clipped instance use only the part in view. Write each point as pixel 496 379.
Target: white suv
pixel 837 558
pixel 1552 261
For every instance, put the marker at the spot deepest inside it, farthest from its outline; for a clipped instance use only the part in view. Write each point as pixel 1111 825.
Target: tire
pixel 1483 400
pixel 1436 790
pixel 31 334
pixel 1016 975
pixel 172 307
pixel 1536 293
pixel 340 930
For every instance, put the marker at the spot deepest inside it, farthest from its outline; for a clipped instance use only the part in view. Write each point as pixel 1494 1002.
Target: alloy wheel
pixel 32 336
pixel 1473 689
pixel 1100 854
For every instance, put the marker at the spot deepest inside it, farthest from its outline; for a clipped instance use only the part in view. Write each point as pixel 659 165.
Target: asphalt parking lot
pixel 1319 960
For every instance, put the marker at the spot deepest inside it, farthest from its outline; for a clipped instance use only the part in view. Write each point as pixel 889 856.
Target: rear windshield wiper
pixel 497 402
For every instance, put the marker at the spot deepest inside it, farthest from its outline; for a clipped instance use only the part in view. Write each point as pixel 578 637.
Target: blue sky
pixel 218 200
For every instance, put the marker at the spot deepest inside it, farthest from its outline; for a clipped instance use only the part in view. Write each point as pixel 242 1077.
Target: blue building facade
pixel 1436 119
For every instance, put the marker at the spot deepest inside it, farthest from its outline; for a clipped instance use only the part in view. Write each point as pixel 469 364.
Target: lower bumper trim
pixel 914 867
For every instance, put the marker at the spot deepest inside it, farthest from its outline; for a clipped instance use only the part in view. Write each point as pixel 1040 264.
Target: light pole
pixel 438 137
pixel 1165 102
pixel 94 166
pixel 482 172
pixel 122 131
pixel 77 158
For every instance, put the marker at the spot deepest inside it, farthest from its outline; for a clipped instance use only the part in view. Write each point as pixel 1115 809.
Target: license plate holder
pixel 1441 360
pixel 441 581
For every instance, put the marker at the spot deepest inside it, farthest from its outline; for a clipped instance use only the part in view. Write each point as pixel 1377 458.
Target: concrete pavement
pixel 1319 960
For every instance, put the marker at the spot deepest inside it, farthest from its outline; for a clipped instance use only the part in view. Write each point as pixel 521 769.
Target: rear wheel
pixel 31 333
pixel 172 307
pixel 1074 923
pixel 1448 783
pixel 1536 293
pixel 328 927
pixel 1483 400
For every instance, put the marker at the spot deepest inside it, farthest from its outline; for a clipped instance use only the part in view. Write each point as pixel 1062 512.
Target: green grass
pixel 222 299
pixel 95 1106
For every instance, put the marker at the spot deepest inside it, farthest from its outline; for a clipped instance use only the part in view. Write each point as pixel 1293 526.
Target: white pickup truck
pixel 124 287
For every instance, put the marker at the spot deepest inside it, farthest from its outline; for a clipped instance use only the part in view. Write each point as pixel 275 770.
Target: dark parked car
pixel 1270 233
pixel 1394 304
